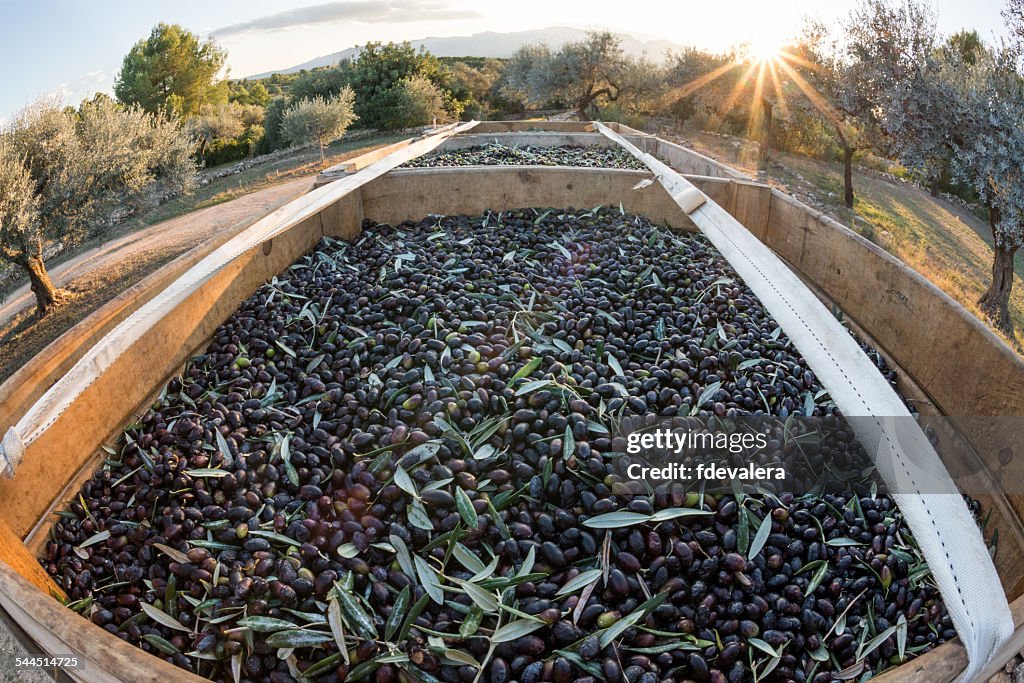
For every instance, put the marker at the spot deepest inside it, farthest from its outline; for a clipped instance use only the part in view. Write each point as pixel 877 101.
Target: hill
pixel 494 44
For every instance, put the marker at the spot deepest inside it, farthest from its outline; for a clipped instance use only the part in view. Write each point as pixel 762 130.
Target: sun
pixel 765 49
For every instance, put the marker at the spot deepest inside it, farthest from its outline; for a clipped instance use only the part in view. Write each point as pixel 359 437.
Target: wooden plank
pixel 17 557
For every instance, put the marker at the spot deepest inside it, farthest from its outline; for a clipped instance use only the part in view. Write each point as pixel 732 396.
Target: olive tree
pixel 990 150
pixel 904 76
pixel 580 73
pixel 81 166
pixel 319 121
pixel 415 101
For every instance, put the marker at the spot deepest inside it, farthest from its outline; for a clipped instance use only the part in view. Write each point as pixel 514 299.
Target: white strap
pixel 936 513
pixel 96 360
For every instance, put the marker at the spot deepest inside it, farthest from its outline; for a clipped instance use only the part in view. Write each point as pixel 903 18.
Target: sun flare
pixel 766 49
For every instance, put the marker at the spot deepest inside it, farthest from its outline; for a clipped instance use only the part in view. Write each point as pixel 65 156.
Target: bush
pixel 414 101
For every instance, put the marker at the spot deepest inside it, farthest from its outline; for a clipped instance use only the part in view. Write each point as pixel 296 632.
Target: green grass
pixel 949 245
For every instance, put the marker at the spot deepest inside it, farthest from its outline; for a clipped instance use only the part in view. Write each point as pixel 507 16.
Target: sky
pixel 75 47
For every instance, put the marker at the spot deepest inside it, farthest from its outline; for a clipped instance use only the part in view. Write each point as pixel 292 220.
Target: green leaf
pixel 323 666
pixel 614 364
pixel 397 612
pixel 467 558
pixel 274 537
pixel 348 550
pixel 206 472
pixel 875 642
pixel 265 624
pixel 620 626
pixel 163 618
pixel 170 552
pixel 525 371
pixel 674 513
pixel 485 599
pixel 816 579
pixel 471 623
pixel 405 482
pixel 355 615
pixel 581 580
pixel 404 558
pixel 461 657
pixel 761 537
pixel 516 629
pixel 413 615
pixel 163 645
pixel 842 542
pixel 616 520
pixel 298 638
pixel 568 444
pixel 429 580
pixel 763 647
pixel 335 621
pixel 901 636
pixel 418 516
pixel 465 506
pixel 225 449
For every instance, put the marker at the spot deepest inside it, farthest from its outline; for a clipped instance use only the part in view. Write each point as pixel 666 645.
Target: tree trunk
pixel 995 302
pixel 848 177
pixel 769 130
pixel 933 186
pixel 323 161
pixel 42 286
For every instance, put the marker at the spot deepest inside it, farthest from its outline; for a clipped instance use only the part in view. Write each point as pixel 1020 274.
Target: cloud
pixel 365 11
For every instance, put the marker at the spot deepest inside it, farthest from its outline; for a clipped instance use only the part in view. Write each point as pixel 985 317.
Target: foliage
pixel 19 227
pixel 377 75
pixel 319 121
pixel 83 166
pixel 580 73
pixel 246 92
pixel 173 71
pixel 323 82
pixel 477 82
pixel 414 101
pixel 272 116
pixel 229 131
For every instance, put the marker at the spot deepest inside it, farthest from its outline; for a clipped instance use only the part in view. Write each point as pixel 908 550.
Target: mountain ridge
pixel 492 44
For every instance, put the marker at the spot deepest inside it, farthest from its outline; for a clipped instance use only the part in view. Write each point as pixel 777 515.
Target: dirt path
pixel 171 236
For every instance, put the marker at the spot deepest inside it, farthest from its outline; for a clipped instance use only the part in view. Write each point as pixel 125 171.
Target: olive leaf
pixel 348 550
pixel 761 537
pixel 404 558
pixel 429 579
pixel 484 599
pixel 170 552
pixel 581 580
pixel 616 520
pixel 265 624
pixel 405 482
pixel 467 558
pixel 397 612
pixel 334 620
pixel 161 644
pixel 465 507
pixel 208 472
pixel 515 630
pixel 298 638
pixel 163 618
